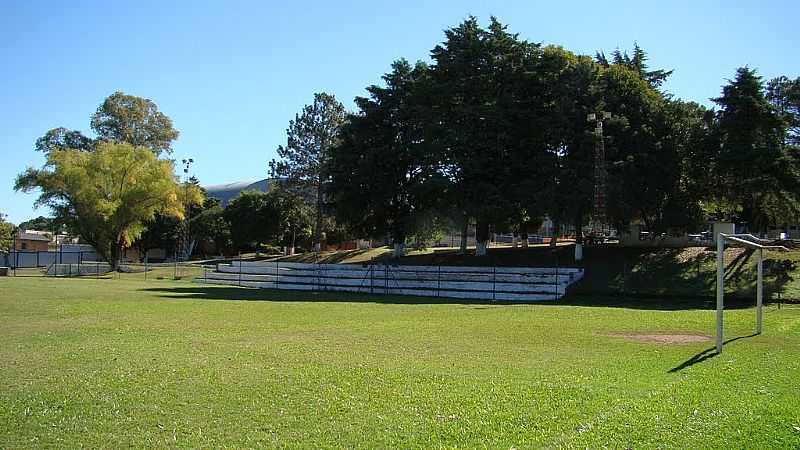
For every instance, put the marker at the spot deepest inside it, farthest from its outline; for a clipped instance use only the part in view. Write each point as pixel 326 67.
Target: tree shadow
pixel 654 302
pixel 281 295
pixel 332 257
pixel 683 272
pixel 706 354
pixel 211 292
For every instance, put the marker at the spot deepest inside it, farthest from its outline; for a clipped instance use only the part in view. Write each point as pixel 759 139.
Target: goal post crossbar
pixel 750 241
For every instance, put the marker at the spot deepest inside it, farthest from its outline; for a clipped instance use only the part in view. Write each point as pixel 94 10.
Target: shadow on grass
pixel 655 302
pixel 706 354
pixel 323 257
pixel 280 295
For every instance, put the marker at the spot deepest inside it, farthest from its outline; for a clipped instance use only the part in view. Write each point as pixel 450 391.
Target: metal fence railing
pixel 33 259
pixel 609 272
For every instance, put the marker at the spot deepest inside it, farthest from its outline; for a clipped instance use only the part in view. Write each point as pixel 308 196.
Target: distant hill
pixel 228 191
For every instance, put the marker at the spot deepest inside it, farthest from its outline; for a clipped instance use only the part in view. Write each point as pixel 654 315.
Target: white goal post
pixel 750 241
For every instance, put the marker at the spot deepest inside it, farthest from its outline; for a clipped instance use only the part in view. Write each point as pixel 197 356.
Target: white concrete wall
pixel 502 283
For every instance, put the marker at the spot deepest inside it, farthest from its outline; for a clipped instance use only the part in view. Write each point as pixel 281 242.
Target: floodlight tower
pixel 184 235
pixel 600 173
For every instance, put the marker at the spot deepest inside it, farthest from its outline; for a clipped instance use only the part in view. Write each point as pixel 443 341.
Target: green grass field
pixel 123 363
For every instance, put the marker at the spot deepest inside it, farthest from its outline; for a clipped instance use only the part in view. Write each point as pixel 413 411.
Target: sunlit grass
pixel 122 363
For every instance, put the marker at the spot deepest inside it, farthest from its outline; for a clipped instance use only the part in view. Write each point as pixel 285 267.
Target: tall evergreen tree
pixel 305 158
pixel 384 175
pixel 755 176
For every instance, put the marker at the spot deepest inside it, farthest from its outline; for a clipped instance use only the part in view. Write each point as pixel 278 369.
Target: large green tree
pixel 303 161
pixel 476 76
pixel 107 195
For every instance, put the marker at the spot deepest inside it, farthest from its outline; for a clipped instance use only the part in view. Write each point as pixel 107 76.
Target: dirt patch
pixel 691 254
pixel 664 338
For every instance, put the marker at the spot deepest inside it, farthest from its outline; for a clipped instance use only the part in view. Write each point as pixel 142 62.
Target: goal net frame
pixel 749 241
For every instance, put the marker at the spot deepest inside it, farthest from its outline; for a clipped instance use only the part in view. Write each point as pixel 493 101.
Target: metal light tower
pixel 600 173
pixel 184 236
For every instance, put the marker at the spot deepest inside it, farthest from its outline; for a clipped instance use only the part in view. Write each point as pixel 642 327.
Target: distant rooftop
pixel 32 235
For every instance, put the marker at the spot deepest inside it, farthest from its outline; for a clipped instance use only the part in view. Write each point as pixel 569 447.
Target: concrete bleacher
pixel 486 283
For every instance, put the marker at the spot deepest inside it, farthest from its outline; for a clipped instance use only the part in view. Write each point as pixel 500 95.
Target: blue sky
pixel 232 74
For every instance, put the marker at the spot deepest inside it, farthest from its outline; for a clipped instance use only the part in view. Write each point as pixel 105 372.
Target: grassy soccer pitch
pixel 124 363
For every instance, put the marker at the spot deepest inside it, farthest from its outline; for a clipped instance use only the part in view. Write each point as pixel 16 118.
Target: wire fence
pixel 137 271
pixel 607 271
pixel 23 259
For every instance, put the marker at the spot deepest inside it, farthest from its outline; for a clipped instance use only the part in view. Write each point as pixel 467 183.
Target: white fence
pixel 486 283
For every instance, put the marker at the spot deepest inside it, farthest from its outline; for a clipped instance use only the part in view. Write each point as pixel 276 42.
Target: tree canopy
pixel 495 132
pixel 121 118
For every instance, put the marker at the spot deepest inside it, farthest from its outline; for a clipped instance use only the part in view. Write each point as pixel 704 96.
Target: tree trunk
pixel 318 222
pixel 481 238
pixel 116 253
pixel 579 228
pixel 554 234
pixel 523 234
pixel 399 241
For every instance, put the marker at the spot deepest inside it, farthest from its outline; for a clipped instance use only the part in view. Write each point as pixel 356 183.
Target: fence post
pixel 37 258
pixel 240 269
pixel 371 278
pixel 277 274
pixel 439 281
pixel 624 274
pixel 556 294
pixel 494 282
pixel 97 270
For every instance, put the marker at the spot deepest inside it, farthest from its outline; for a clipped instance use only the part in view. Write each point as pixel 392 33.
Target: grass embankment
pixel 120 363
pixel 611 270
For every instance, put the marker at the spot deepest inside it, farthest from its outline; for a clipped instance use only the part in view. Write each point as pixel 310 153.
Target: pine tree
pixel 755 173
pixel 304 160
